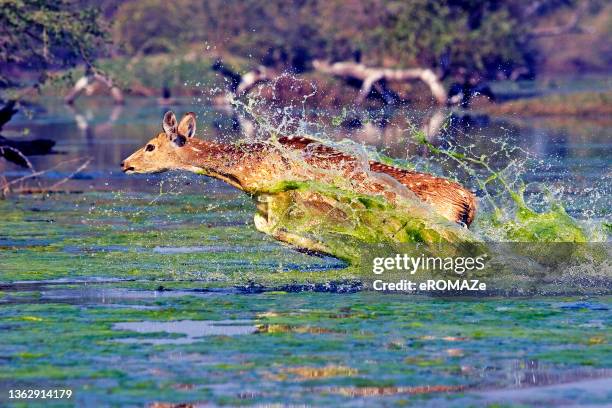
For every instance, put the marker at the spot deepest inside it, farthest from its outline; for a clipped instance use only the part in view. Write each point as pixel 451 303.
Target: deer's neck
pixel 221 161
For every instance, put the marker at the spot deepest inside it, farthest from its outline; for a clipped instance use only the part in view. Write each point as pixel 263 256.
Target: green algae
pixel 101 241
pixel 527 225
pixel 76 346
pixel 342 223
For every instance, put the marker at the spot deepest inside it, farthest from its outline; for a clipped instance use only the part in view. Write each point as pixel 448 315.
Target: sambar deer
pixel 252 167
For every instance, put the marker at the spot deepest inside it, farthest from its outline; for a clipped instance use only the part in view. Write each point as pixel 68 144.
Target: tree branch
pixel 5 188
pixel 370 76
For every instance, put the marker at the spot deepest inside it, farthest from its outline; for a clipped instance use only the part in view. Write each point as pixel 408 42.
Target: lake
pixel 158 288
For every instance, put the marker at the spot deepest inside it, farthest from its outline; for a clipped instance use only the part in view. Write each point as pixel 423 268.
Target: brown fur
pixel 443 194
pixel 250 167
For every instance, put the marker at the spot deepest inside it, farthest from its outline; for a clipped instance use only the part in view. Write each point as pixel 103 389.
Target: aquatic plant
pixel 332 218
pixel 343 223
pixel 525 224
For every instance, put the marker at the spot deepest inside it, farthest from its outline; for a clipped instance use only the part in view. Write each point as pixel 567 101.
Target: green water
pixel 306 348
pixel 114 291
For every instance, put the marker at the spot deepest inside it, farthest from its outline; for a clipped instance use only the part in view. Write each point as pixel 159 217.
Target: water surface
pixel 157 288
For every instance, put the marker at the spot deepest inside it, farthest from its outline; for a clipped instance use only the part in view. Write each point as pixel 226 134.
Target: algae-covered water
pixel 144 289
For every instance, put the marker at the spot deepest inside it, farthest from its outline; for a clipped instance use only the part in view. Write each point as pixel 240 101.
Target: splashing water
pixel 332 218
pixel 519 222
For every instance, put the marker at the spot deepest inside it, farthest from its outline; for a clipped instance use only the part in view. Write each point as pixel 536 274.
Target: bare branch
pixel 79 169
pixel 24 161
pixel 370 76
pixel 6 187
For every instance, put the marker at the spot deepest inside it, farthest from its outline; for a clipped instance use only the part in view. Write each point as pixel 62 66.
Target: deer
pixel 252 167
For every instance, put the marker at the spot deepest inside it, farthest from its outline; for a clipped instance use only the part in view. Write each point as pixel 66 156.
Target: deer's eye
pixel 149 148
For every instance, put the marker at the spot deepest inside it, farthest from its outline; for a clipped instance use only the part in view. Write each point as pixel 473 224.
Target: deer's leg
pixel 266 221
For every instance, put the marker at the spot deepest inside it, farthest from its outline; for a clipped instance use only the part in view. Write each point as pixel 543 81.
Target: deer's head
pixel 167 150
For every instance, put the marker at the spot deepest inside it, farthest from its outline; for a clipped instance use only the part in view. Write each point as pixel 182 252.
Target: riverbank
pixel 592 104
pixel 191 75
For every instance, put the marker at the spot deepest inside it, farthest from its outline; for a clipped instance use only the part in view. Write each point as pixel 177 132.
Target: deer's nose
pixel 126 169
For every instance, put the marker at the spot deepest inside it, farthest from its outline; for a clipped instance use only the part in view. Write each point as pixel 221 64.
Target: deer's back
pixel 449 198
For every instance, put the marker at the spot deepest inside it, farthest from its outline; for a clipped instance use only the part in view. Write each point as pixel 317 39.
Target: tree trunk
pixel 240 85
pixel 89 79
pixel 370 76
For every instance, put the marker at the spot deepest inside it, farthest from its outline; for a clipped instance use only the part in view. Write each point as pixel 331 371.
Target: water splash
pixel 333 218
pixel 520 222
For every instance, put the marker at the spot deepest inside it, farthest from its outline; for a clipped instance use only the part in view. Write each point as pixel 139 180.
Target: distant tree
pixel 279 33
pixel 476 36
pixel 466 37
pixel 149 26
pixel 37 35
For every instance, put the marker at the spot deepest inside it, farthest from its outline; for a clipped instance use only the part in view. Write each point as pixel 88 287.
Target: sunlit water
pixel 157 288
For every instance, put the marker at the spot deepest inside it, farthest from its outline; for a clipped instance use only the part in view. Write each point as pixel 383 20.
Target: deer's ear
pixel 187 127
pixel 169 124
pixel 178 140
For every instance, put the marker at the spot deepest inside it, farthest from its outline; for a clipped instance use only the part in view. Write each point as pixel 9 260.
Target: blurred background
pixel 118 286
pixel 150 44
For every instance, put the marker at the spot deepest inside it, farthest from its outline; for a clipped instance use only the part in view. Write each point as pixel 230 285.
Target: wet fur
pixel 251 167
pixel 446 196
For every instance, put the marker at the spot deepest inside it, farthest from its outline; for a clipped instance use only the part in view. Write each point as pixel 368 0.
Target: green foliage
pixel 457 37
pixel 41 34
pixel 153 25
pixel 476 36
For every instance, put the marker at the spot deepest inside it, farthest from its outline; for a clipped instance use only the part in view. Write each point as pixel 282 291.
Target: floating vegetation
pixel 307 373
pixel 332 218
pixel 504 343
pixel 80 273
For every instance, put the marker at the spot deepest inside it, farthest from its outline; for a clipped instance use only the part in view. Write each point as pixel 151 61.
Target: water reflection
pixel 190 330
pixel 88 131
pixel 529 373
